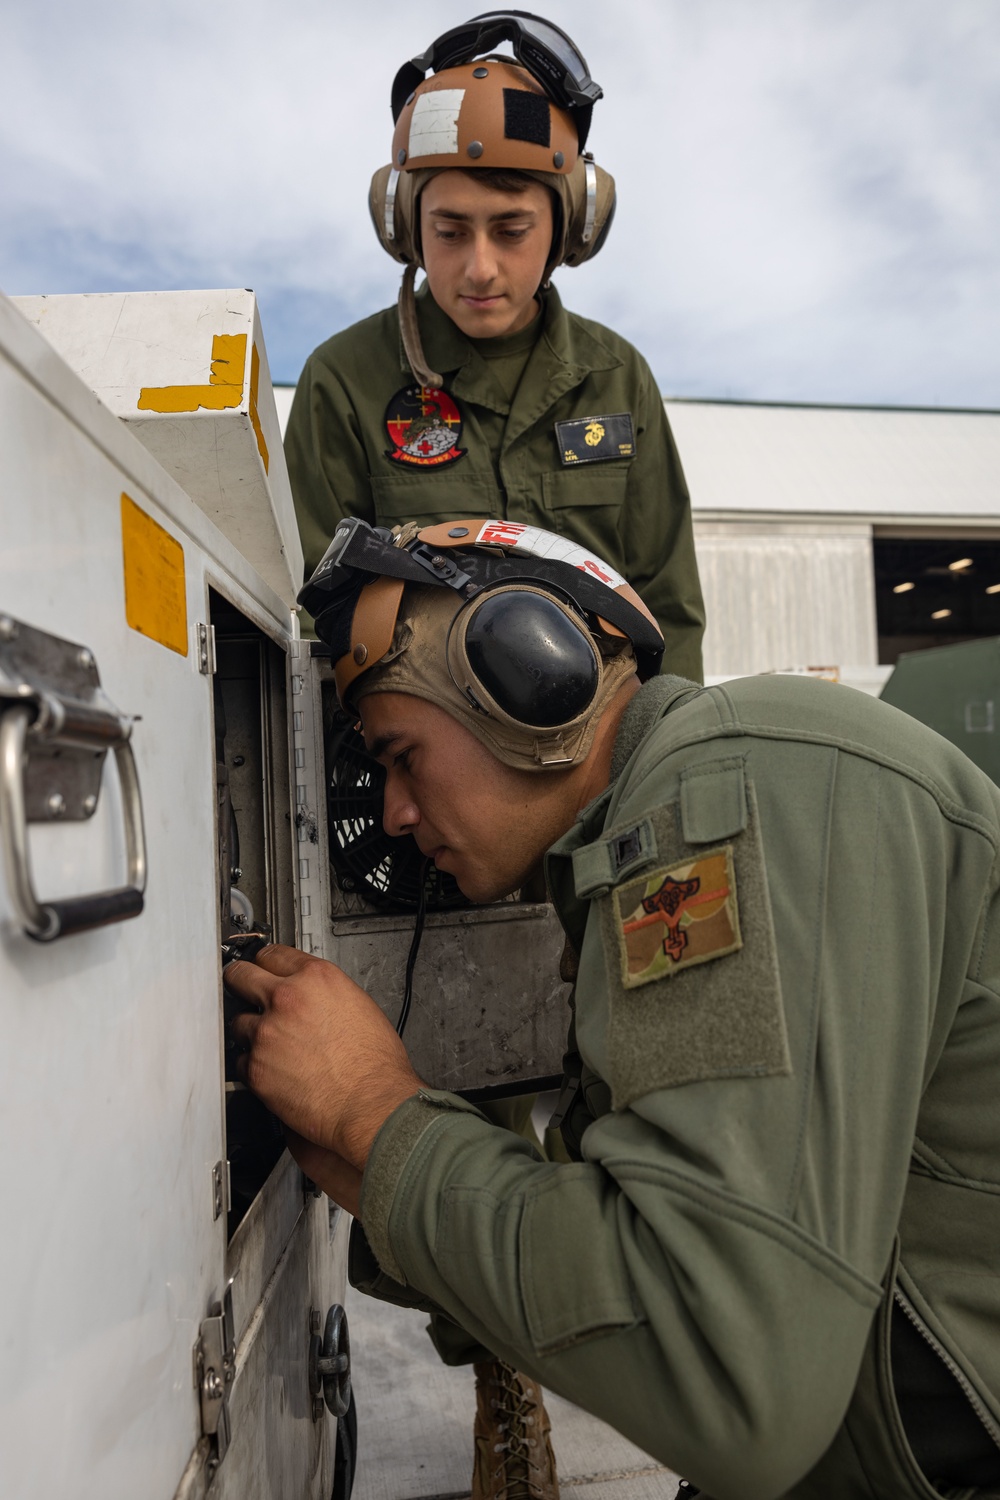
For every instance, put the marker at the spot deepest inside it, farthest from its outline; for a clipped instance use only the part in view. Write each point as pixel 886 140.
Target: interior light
pixel 941 614
pixel 963 562
pixel 994 588
pixel 904 588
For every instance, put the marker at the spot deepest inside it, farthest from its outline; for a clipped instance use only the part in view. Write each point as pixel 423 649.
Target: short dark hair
pixel 501 179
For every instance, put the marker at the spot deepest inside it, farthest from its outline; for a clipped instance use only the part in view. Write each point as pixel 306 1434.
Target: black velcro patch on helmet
pixel 526 117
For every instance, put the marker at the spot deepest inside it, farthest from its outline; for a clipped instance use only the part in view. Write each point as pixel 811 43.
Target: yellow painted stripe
pixel 254 418
pixel 225 383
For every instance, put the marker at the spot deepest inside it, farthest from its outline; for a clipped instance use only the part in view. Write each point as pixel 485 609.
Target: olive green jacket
pixel 634 513
pixel 762 1120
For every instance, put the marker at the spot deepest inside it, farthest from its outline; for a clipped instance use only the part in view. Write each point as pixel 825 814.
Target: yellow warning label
pixel 155 593
pixel 225 382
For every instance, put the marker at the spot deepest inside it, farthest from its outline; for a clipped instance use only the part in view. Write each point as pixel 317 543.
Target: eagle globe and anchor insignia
pixel 424 426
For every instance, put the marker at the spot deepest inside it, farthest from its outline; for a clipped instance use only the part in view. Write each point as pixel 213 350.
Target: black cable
pixel 411 959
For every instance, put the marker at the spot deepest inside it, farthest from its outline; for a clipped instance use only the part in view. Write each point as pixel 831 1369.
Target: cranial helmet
pixel 519 634
pixel 531 115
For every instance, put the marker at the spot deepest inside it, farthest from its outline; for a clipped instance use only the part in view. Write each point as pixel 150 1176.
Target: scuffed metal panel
pixel 786 594
pixel 278 1449
pixel 489 1008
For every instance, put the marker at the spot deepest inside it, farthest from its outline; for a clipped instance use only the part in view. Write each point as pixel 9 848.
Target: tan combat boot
pixel 514 1459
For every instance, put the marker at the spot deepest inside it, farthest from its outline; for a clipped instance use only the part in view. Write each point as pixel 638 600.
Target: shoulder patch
pixel 590 440
pixel 675 1014
pixel 677 916
pixel 424 426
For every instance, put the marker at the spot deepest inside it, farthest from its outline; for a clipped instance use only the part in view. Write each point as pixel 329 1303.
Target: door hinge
pixel 206 649
pixel 215 1366
pixel 221 1190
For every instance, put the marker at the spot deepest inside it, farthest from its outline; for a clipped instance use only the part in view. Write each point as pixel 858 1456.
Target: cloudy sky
pixel 809 192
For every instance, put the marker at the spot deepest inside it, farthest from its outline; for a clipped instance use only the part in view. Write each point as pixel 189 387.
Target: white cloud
pixel 809 207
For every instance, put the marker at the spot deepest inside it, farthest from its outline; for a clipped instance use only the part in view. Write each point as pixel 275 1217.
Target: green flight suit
pixel 633 512
pixel 788 1115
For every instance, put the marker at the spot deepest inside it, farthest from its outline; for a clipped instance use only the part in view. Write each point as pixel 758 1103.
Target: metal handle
pixel 330 1363
pixel 49 920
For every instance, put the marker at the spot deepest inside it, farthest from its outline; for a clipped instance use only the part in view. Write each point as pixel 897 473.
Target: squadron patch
pixel 424 426
pixel 591 440
pixel 676 917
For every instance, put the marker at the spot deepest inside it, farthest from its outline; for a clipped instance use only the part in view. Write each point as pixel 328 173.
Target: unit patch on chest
pixel 674 918
pixel 591 440
pixel 424 426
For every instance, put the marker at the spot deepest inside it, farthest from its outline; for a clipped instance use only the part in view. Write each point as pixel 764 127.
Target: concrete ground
pixel 415 1423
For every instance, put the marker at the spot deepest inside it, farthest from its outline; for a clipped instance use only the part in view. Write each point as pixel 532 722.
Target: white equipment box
pixel 167 1268
pixel 173 1283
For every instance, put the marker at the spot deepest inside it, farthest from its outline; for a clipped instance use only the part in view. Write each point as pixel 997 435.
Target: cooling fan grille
pixel 366 861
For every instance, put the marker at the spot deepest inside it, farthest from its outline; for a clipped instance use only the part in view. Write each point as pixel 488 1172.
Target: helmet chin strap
pixel 410 330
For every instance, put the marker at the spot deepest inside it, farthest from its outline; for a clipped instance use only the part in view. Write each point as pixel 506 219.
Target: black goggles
pixel 550 56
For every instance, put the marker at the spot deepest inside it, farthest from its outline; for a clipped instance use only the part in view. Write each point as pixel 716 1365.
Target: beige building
pixel 840 536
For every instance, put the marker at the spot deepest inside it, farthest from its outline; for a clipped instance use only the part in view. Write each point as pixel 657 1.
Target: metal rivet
pixel 360 654
pixel 56 805
pixel 475 148
pixel 8 628
pixel 459 531
pixel 89 804
pixel 85 657
pixel 558 159
pixel 401 156
pixel 480 72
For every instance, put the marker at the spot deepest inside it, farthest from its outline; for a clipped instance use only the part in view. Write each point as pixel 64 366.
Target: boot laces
pixel 516 1472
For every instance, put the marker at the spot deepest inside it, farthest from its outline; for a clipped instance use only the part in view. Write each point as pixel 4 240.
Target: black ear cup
pixel 536 663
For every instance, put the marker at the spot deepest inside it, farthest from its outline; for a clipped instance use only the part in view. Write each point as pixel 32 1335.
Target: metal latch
pixel 56 727
pixel 330 1363
pixel 215 1366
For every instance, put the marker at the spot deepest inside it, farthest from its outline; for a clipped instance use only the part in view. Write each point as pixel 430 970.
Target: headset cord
pixel 411 959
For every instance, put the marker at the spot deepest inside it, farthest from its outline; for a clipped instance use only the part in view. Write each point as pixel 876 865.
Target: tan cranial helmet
pixel 492 114
pixel 521 635
pixel 486 114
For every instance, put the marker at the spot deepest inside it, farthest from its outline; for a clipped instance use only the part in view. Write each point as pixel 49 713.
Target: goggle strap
pixel 372 628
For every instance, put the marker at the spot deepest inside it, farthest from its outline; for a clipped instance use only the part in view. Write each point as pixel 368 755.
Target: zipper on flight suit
pixel 966 1387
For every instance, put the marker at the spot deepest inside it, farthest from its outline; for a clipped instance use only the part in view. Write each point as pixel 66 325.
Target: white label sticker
pixel 434 126
pixel 514 535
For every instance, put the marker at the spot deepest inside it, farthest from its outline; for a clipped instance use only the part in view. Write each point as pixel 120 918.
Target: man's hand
pixel 322 1055
pixel 338 1179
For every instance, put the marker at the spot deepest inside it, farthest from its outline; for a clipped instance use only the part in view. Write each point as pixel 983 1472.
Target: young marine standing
pixel 481 394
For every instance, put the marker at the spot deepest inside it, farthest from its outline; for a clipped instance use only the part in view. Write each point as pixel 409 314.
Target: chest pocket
pixel 433 496
pixel 586 505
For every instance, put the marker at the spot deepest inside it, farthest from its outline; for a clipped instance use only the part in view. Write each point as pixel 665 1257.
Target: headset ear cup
pixel 386 179
pixel 526 654
pixel 577 249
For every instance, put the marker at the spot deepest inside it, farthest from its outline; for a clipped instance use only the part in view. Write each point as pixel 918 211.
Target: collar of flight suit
pixel 655 699
pixel 565 353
